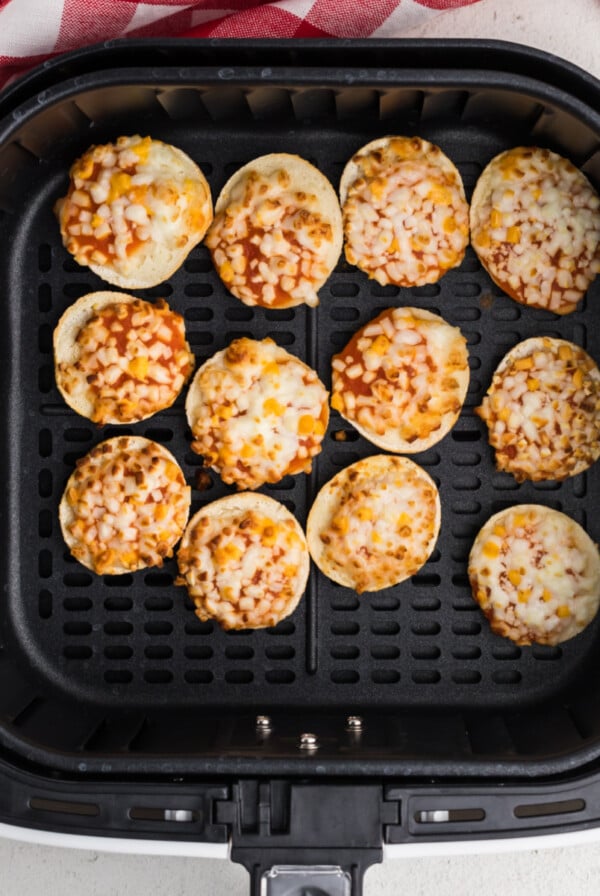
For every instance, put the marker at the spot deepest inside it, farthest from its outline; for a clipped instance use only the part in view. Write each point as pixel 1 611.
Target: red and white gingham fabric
pixel 33 30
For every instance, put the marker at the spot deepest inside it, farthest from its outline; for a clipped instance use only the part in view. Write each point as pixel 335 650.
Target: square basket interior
pixel 105 666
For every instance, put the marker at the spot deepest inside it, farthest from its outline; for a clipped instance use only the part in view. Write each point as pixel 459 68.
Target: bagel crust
pixel 257 413
pixel 542 410
pixel 375 523
pixel 119 359
pixel 134 210
pixel 535 225
pixel 402 379
pixel 277 233
pixel 406 219
pixel 536 575
pixel 244 561
pixel 125 506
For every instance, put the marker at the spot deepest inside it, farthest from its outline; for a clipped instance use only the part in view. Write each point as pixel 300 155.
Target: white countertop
pixel 568 28
pixel 28 870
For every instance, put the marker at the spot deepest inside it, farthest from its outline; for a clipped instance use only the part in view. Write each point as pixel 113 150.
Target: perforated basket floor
pixel 133 641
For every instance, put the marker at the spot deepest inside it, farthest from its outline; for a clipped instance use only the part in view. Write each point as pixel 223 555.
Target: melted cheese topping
pixel 535 574
pixel 241 567
pixel 133 361
pixel 398 376
pixel 270 244
pixel 542 410
pixel 128 505
pixel 261 413
pixel 125 197
pixel 535 225
pixel 406 220
pixel 381 525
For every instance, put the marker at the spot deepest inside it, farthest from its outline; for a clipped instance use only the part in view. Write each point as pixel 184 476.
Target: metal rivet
pixel 354 723
pixel 263 723
pixel 309 742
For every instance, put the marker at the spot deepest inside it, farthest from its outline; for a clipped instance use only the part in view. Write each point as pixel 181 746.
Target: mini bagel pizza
pixel 134 210
pixel 542 410
pixel 406 219
pixel 244 561
pixel 375 523
pixel 535 225
pixel 402 379
pixel 125 506
pixel 256 413
pixel 277 233
pixel 535 574
pixel 119 359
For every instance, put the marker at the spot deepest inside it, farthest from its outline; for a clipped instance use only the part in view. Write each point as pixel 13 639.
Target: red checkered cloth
pixel 34 30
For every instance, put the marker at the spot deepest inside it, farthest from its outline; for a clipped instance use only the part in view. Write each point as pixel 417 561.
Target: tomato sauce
pixel 122 314
pixel 88 244
pixel 253 256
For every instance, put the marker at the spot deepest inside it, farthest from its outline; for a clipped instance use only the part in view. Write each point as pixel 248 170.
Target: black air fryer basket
pixel 393 717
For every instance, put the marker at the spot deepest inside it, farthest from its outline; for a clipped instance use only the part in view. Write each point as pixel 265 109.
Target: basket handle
pixel 305 838
pixel 307 880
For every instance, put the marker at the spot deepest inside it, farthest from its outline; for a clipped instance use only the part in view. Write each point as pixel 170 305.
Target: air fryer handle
pixel 305 837
pixel 306 880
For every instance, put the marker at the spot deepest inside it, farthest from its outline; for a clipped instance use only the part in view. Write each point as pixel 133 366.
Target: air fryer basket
pixel 114 677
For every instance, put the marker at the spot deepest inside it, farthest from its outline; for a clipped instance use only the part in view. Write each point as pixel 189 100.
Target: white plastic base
pixel 221 850
pixel 116 844
pixel 499 845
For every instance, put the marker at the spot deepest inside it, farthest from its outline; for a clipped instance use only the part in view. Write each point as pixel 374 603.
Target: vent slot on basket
pixel 178 816
pixel 540 810
pixel 62 807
